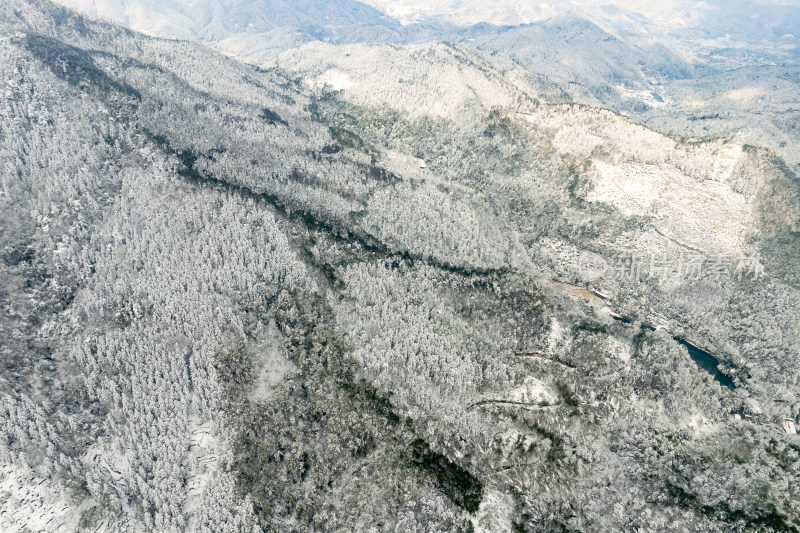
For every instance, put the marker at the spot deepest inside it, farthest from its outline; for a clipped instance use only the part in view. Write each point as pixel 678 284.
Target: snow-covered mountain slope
pixel 677 195
pixel 454 84
pixel 758 105
pixel 308 298
pixel 438 80
pixel 595 65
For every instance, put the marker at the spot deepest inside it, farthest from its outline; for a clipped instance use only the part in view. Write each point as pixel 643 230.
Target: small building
pixel 789 426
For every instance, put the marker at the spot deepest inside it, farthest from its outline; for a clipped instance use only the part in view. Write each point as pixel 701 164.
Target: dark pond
pixel 702 358
pixel 707 362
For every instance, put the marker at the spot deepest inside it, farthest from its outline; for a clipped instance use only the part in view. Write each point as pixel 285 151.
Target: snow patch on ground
pixel 532 391
pixel 620 349
pixel 407 166
pixel 745 94
pixel 31 503
pixel 495 512
pixel 272 364
pixel 335 79
pixel 556 336
pixel 705 214
pixel 112 468
pixel 633 189
pixel 645 96
pixel 573 139
pixel 701 425
pixel 202 463
pixel 726 162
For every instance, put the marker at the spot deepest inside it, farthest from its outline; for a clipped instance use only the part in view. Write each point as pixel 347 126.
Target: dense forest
pixel 241 299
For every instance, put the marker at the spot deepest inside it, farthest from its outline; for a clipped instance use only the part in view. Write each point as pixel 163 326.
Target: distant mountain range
pixel 753 21
pixel 621 56
pixel 258 29
pixel 727 33
pixel 211 20
pixel 590 60
pixel 254 30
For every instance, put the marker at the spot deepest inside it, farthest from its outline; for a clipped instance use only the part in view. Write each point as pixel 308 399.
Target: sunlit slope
pixel 573 178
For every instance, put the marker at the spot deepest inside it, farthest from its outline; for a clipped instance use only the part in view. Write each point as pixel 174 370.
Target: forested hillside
pixel 317 298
